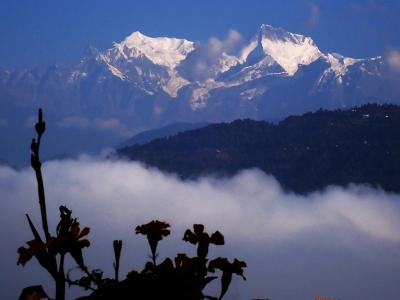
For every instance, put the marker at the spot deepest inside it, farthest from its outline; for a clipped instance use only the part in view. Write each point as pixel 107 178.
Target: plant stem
pixel 42 202
pixel 37 166
pixel 60 282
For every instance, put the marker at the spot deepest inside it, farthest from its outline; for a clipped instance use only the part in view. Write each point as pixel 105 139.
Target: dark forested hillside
pixel 304 153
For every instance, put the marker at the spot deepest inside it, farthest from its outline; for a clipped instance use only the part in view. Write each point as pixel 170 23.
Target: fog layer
pixel 340 242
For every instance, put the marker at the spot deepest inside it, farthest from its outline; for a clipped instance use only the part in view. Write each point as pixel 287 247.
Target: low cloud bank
pixel 342 242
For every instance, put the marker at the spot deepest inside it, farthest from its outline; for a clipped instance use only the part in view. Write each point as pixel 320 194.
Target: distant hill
pixel 169 130
pixel 304 153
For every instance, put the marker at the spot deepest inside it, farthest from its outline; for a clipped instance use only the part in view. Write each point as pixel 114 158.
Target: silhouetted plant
pixel 117 245
pixel 180 278
pixel 155 230
pixel 203 239
pixel 67 239
pixel 228 269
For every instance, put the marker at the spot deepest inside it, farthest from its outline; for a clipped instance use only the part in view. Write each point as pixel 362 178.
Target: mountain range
pixel 146 82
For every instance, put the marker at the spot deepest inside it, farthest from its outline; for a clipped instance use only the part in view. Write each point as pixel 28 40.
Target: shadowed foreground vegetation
pixel 179 278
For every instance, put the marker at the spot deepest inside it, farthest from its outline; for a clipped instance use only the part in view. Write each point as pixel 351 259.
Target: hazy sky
pixel 342 243
pixel 47 31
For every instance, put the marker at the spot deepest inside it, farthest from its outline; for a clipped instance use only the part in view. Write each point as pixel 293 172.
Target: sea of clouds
pixel 342 242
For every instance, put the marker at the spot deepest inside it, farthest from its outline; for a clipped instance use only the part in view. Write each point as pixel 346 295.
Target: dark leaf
pixel 33 229
pixel 225 282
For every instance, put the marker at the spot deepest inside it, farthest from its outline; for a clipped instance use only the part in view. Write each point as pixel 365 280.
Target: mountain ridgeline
pixel 150 135
pixel 305 153
pixel 144 82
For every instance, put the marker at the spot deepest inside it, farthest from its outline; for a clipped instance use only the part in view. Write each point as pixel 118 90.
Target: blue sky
pixel 36 32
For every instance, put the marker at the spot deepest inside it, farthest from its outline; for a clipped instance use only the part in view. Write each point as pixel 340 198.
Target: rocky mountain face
pixel 144 82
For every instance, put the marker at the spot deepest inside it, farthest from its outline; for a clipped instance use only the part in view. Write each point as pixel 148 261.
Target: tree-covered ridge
pixel 308 152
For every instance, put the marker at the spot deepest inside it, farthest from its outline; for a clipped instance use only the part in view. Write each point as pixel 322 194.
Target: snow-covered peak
pixel 339 63
pixel 162 51
pixel 289 50
pixel 339 66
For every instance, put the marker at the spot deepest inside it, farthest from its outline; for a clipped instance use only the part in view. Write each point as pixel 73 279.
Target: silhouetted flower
pixel 203 239
pixel 117 245
pixel 69 237
pixel 155 231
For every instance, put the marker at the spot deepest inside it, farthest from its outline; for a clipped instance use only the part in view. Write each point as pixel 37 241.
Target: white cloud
pixel 393 60
pixel 207 57
pixel 287 239
pixel 233 39
pixel 315 14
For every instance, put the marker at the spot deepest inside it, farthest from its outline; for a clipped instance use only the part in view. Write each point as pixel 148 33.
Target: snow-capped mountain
pixel 275 56
pixel 145 82
pixel 125 60
pixel 286 49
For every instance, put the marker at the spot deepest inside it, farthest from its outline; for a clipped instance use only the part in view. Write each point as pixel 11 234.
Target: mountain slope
pixel 304 153
pixel 166 131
